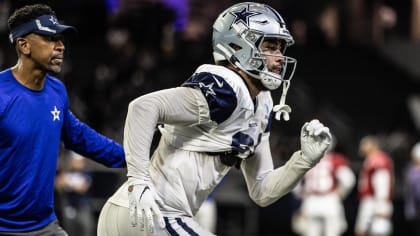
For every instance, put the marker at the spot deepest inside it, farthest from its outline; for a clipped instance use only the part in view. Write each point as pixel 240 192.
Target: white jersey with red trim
pixel 322 179
pixel 322 190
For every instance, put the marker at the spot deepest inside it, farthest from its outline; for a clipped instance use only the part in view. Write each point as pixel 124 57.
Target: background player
pixel 376 184
pixel 322 191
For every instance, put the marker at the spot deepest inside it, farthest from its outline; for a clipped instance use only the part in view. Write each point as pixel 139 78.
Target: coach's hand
pixel 143 207
pixel 315 138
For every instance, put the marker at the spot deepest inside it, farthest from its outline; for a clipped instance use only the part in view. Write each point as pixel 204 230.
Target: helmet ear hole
pixel 257 63
pixel 235 46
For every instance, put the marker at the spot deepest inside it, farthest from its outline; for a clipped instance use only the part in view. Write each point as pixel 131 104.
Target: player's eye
pixel 271 47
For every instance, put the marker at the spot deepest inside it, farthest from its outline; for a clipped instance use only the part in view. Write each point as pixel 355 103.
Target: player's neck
pixel 253 88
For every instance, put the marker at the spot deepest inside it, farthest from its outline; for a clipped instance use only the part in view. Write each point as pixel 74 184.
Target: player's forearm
pixel 280 181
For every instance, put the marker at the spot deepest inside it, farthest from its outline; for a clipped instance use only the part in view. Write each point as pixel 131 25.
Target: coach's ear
pixel 23 46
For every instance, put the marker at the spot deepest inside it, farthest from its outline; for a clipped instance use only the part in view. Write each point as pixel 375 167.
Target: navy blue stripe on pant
pixel 183 225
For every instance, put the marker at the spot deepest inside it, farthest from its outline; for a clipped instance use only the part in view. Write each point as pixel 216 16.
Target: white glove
pixel 143 206
pixel 315 138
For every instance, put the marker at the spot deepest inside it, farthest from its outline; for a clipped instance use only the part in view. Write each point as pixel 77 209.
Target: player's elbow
pixel 262 201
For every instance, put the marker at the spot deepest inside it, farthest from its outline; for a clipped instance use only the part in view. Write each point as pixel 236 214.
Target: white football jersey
pixel 237 123
pixel 181 169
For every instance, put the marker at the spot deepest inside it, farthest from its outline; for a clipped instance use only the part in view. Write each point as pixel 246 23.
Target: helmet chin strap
pixel 281 109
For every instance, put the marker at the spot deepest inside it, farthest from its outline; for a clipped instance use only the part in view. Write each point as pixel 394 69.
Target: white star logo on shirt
pixel 208 89
pixel 55 113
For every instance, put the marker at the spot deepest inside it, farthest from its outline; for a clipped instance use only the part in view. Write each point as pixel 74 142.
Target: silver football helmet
pixel 238 33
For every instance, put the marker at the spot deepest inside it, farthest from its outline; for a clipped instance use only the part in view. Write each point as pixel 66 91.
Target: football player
pixel 323 190
pixel 375 189
pixel 217 119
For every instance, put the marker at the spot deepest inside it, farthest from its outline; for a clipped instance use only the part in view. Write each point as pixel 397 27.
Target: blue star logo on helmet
pixel 243 15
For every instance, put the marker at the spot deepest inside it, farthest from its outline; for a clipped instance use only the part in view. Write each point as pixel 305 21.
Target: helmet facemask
pixel 271 80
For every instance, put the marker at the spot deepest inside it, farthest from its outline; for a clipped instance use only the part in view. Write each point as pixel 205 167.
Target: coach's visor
pixel 44 25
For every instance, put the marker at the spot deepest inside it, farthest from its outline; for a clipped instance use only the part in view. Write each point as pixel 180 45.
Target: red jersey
pixel 372 164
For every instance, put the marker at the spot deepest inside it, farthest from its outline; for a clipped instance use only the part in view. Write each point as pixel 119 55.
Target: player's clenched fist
pixel 315 138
